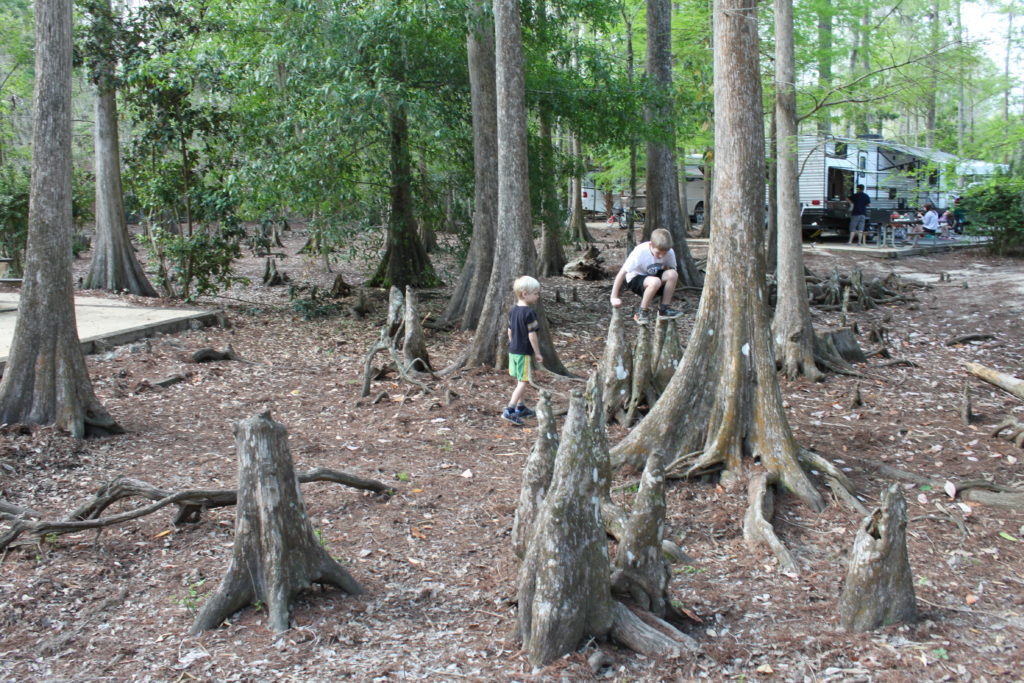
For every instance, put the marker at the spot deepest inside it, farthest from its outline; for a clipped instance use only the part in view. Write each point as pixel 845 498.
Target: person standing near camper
pixel 859 215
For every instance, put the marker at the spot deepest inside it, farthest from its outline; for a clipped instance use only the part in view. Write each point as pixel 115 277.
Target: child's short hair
pixel 525 285
pixel 661 239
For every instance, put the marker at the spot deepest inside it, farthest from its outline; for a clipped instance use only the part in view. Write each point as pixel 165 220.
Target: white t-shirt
pixel 641 261
pixel 931 221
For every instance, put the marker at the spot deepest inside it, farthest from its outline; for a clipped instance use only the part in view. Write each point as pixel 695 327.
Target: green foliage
pixel 996 209
pixel 192 597
pixel 312 303
pixel 14 186
pixel 200 263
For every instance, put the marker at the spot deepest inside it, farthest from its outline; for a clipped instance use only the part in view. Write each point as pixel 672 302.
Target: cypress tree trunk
pixel 467 299
pixel 514 253
pixel 46 380
pixel 724 401
pixel 662 196
pixel 405 262
pixel 114 265
pixel 792 329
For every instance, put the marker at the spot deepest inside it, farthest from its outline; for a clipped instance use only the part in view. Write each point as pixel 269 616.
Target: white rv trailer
pixel 895 176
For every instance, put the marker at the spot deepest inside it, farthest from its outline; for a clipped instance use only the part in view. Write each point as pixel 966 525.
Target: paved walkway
pixel 109 321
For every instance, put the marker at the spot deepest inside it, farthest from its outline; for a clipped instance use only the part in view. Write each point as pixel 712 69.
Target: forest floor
pixel 435 558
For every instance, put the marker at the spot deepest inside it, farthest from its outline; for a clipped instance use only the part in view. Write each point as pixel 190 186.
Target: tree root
pixel 1014 431
pixel 190 504
pixel 974 490
pixel 650 635
pixel 964 338
pixel 757 526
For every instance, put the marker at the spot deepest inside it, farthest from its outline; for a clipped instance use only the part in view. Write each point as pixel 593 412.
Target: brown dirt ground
pixel 435 559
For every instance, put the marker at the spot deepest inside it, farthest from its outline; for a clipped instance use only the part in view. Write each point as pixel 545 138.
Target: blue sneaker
pixel 523 411
pixel 510 415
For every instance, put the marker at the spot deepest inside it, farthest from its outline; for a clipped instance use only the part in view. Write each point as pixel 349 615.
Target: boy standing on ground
pixel 650 270
pixel 523 344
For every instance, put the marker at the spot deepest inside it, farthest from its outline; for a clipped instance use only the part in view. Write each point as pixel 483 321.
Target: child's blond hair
pixel 661 239
pixel 525 285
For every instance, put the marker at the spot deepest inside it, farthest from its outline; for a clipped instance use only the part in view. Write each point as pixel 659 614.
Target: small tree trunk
pixel 114 266
pixel 414 349
pixel 276 554
pixel 536 475
pixel 668 351
pixel 616 368
pixel 879 586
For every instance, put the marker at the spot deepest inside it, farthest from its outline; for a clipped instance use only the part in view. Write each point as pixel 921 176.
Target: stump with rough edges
pixel 276 554
pixel 879 588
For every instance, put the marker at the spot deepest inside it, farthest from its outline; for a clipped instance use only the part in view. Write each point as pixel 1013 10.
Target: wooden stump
pixel 563 583
pixel 536 475
pixel 641 572
pixel 276 555
pixel 414 349
pixel 668 351
pixel 879 586
pixel 616 368
pixel 841 343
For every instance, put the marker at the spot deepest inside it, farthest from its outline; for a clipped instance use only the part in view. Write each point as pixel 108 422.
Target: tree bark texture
pixel 114 265
pixel 617 369
pixel 552 259
pixel 879 588
pixel 1006 382
pixel 405 262
pixel 514 252
pixel 724 400
pixel 536 475
pixel 468 297
pixel 757 522
pixel 276 555
pixel 563 584
pixel 46 380
pixel 414 348
pixel 792 329
pixel 662 197
pixel 641 572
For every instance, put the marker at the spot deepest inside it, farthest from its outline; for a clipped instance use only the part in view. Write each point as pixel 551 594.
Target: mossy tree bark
pixel 467 299
pixel 879 588
pixel 276 554
pixel 46 380
pixel 724 401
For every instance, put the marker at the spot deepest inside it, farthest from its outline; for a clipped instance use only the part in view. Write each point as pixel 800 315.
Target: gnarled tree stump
pixel 564 594
pixel 276 554
pixel 616 368
pixel 536 475
pixel 879 586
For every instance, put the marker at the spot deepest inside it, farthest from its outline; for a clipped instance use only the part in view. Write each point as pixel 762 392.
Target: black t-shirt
pixel 522 320
pixel 860 203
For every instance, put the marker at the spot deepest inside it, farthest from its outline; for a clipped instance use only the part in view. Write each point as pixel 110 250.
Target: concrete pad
pixel 108 322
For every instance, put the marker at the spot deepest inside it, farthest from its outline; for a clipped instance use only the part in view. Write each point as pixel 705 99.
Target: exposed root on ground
pixel 190 504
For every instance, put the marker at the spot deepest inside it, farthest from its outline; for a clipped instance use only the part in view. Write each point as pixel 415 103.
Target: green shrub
pixel 996 209
pixel 13 217
pixel 201 263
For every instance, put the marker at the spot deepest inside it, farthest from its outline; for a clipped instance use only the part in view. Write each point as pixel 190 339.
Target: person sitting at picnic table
pixel 930 219
pixel 914 232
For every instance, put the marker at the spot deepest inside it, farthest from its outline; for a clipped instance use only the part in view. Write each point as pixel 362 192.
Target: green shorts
pixel 519 366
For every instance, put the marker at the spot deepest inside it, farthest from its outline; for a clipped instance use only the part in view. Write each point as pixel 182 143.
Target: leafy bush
pixel 315 304
pixel 996 209
pixel 13 217
pixel 200 263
